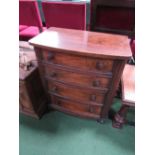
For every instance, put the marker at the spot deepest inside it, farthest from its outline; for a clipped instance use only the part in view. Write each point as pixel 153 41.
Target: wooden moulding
pixel 83 43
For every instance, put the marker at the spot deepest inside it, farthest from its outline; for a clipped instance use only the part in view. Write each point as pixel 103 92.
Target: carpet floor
pixel 60 134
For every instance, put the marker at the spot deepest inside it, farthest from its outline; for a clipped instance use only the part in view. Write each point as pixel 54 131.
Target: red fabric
pixel 29 32
pixel 115 18
pixel 65 14
pixel 29 13
pixel 22 27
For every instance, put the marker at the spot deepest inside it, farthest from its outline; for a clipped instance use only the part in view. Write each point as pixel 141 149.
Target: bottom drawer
pixel 75 107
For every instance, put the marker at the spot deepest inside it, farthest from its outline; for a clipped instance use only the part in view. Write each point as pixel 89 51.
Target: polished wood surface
pixel 71 60
pixel 84 79
pixel 76 93
pixel 78 108
pixel 128 84
pixel 83 42
pixel 81 70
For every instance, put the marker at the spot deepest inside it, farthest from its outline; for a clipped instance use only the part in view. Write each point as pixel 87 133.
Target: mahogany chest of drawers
pixel 81 70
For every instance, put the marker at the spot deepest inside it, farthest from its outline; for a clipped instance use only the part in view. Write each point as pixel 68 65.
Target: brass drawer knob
pixel 53 74
pixel 96 83
pixel 93 97
pixel 50 56
pixel 54 89
pixel 99 65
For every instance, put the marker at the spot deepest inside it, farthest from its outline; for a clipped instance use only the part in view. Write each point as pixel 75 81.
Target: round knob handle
pixel 53 74
pixel 93 97
pixel 54 89
pixel 96 83
pixel 99 65
pixel 50 56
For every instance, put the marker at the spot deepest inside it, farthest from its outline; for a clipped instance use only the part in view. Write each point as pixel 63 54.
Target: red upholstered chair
pixel 22 27
pixel 65 14
pixel 114 16
pixel 30 23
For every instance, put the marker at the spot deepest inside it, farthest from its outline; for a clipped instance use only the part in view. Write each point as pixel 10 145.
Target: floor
pixel 60 134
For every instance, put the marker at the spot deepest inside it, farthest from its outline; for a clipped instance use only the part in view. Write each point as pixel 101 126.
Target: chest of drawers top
pixel 80 42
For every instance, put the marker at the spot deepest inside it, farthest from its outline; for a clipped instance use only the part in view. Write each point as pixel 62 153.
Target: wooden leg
pixel 119 118
pixel 118 91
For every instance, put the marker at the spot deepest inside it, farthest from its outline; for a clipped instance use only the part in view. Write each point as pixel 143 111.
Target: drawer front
pixel 77 62
pixel 79 94
pixel 76 107
pixel 76 78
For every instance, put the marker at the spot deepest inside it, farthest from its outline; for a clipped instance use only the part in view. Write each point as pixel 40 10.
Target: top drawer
pixel 78 62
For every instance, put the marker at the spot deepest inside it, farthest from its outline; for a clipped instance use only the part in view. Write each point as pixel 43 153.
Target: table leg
pixel 120 117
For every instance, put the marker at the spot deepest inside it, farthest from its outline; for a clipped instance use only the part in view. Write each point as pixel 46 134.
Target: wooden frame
pixel 130 4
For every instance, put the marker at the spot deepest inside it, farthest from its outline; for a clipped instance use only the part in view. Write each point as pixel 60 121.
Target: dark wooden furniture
pixel 80 70
pixel 32 99
pixel 128 95
pixel 114 16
